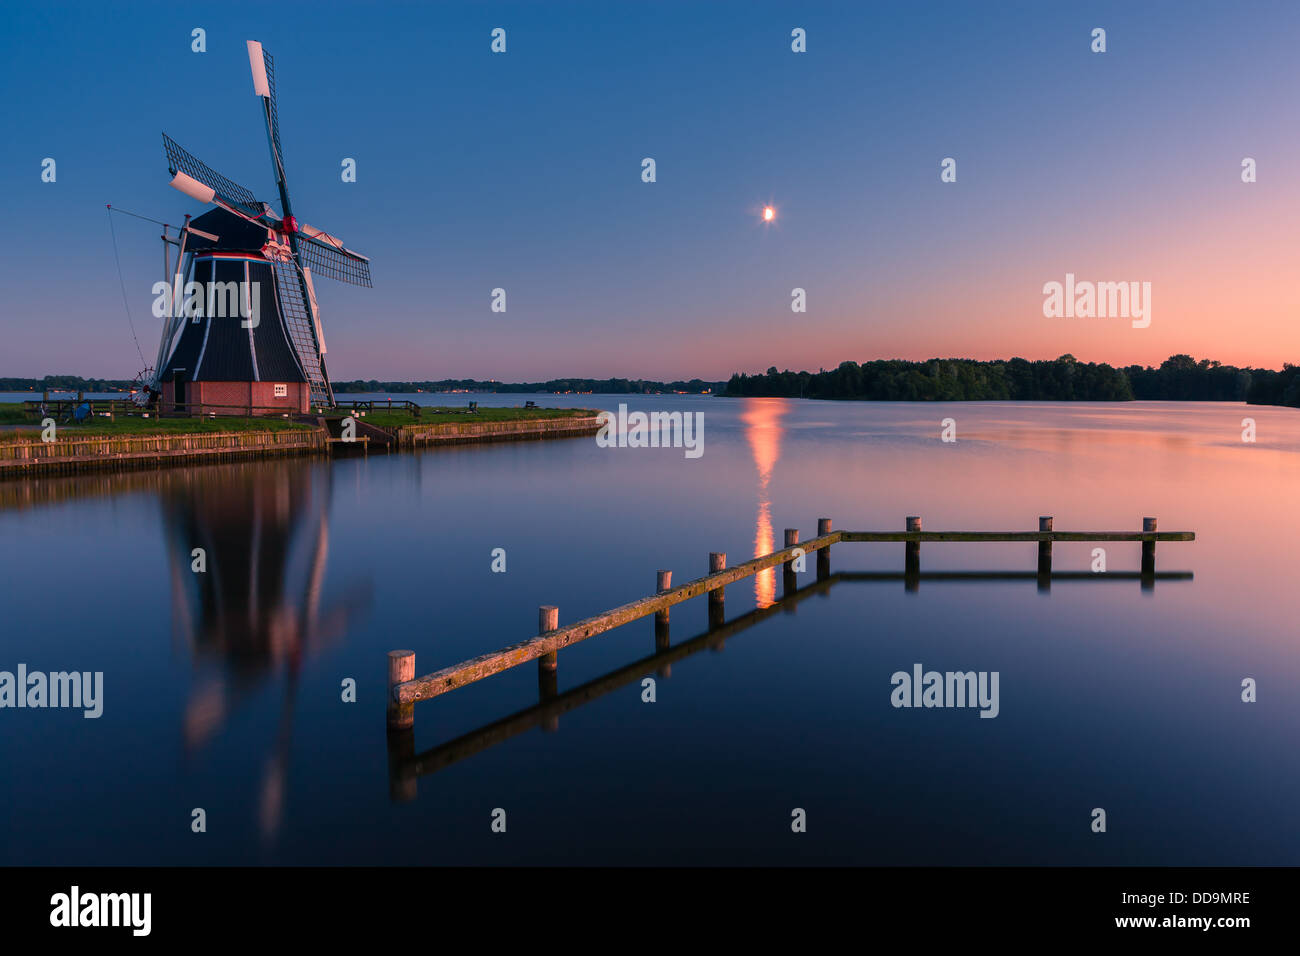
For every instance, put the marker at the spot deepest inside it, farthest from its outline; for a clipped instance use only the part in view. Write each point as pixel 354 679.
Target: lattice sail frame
pixel 320 256
pixel 232 194
pixel 273 109
pixel 338 264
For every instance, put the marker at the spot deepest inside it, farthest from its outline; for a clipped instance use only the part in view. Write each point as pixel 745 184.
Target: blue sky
pixel 522 171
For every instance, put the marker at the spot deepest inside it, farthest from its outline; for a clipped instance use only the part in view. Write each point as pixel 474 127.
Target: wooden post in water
pixel 401 668
pixel 912 556
pixel 824 555
pixel 1148 547
pixel 548 619
pixel 663 582
pixel 717 597
pixel 789 580
pixel 1045 556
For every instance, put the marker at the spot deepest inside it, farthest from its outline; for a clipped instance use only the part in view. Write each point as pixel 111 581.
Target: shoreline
pixel 37 459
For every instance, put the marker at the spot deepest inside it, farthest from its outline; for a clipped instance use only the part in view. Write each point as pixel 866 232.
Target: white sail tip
pixel 258 65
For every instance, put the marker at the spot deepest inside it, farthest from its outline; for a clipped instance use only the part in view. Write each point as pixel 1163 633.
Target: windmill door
pixel 182 391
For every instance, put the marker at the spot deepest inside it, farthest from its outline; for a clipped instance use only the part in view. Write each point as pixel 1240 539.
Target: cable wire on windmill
pixel 122 282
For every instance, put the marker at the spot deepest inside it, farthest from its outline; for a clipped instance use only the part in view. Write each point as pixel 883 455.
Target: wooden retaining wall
pixel 81 454
pixel 24 459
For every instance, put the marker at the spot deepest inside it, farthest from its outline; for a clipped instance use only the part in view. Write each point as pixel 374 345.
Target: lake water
pixel 222 690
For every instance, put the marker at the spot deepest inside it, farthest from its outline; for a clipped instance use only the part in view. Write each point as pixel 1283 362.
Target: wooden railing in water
pixel 405 765
pixel 405 689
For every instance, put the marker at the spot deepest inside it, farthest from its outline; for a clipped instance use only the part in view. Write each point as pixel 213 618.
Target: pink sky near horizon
pixel 1219 268
pixel 1122 167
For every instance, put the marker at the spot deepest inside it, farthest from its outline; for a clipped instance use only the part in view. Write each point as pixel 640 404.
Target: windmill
pixel 270 354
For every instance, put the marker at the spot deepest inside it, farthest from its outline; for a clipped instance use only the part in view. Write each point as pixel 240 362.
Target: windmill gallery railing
pixel 379 405
pixel 405 689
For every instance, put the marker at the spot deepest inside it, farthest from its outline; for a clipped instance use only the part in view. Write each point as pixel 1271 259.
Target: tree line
pixel 65 383
pixel 1178 378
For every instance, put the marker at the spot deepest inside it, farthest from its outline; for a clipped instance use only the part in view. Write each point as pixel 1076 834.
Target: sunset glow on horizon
pixel 611 276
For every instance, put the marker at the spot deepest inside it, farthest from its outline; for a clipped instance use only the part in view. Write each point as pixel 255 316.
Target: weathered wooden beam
pixel 475 669
pixel 401 667
pixel 1016 536
pixel 476 741
pixel 547 643
pixel 1112 576
pixel 409 765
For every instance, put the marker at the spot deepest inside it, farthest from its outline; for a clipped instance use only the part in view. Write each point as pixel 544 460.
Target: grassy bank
pixel 16 414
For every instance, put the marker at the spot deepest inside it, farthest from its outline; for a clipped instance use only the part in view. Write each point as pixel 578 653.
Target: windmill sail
pixel 300 324
pixel 264 86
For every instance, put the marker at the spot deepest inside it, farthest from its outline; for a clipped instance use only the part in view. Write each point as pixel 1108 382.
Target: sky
pixel 522 170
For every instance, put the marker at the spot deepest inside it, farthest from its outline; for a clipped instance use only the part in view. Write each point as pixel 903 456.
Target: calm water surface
pixel 223 690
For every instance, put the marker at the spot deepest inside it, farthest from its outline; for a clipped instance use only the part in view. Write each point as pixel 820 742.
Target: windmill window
pixel 282 391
